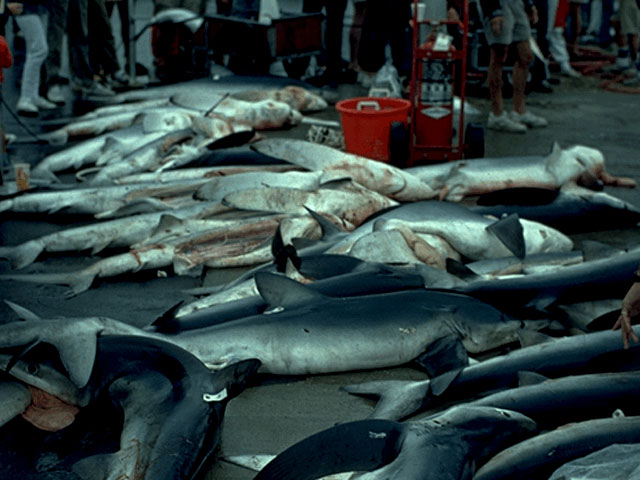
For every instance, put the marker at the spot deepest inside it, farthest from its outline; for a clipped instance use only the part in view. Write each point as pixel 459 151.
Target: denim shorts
pixel 516 27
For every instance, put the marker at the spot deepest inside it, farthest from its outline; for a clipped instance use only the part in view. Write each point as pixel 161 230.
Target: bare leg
pixel 494 77
pixel 520 73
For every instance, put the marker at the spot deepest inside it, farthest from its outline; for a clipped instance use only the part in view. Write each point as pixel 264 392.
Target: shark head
pixel 489 429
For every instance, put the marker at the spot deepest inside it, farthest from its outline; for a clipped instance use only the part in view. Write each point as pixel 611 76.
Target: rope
pixel 37 137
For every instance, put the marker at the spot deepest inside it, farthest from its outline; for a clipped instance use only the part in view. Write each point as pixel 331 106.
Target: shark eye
pixel 32 369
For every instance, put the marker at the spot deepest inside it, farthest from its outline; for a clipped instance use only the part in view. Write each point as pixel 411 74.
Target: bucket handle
pixel 368 103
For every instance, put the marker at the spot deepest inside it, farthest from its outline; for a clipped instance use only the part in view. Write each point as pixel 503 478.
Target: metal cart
pixel 435 128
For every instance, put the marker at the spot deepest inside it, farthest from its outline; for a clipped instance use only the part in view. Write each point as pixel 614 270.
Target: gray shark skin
pixel 591 353
pixel 365 279
pixel 304 332
pixel 445 447
pixel 574 210
pixel 591 280
pixel 574 398
pixel 167 405
pixel 539 456
pixel 388 329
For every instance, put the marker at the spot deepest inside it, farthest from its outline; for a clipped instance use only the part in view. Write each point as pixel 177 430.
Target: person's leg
pixel 355 34
pixel 78 37
pixel 333 38
pixel 520 74
pixel 498 55
pixel 55 32
pixel 101 42
pixel 36 54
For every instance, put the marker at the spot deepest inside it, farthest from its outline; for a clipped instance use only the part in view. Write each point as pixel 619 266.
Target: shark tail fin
pixel 509 231
pixel 397 399
pixel 21 255
pixel 355 446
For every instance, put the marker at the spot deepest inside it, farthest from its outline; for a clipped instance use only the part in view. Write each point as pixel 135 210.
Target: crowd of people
pixel 42 25
pixel 559 26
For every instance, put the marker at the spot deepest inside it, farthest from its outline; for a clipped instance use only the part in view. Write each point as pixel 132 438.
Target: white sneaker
pixel 43 103
pixel 26 107
pixel 56 95
pixel 505 123
pixel 567 70
pixel 529 119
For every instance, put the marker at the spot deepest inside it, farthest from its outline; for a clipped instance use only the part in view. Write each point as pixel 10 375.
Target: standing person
pixel 386 22
pixel 507 22
pixel 30 23
pixel 332 55
pixel 102 46
pixel 70 17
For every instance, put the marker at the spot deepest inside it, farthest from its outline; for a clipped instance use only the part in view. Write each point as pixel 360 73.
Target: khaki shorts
pixel 629 17
pixel 515 28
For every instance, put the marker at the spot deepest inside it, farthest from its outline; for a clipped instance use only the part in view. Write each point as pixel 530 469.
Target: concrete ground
pixel 276 413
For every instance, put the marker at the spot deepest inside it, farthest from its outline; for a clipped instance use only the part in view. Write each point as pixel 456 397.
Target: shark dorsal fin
pixel 509 231
pixel 526 378
pixel 282 292
pixel 328 229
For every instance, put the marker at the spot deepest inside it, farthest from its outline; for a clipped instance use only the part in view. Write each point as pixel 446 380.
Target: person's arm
pixel 629 311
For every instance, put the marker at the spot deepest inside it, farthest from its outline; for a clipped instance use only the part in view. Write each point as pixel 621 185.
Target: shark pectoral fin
pixel 440 383
pixel 23 313
pixel 530 378
pixel 528 338
pixel 354 446
pixel 594 250
pixel 460 270
pixel 235 377
pixel 166 323
pixel 509 231
pixel 100 246
pixel 280 291
pixel 541 301
pixel 329 265
pixel 78 353
pixel 444 355
pixel 398 399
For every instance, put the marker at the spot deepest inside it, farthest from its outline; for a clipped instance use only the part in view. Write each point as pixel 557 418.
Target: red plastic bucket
pixel 366 122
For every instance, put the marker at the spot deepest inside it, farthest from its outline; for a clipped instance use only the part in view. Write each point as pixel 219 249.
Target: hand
pixel 496 25
pixel 15 8
pixel 533 15
pixel 630 310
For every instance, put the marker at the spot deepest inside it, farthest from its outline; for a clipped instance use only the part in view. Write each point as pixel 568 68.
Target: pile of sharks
pixel 468 271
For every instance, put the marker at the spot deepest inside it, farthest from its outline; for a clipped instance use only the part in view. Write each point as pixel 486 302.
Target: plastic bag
pixel 386 83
